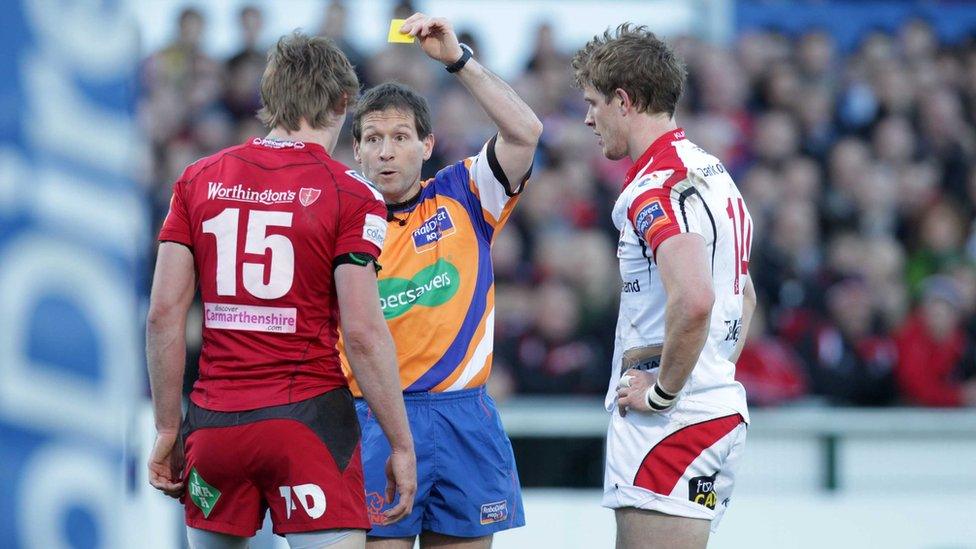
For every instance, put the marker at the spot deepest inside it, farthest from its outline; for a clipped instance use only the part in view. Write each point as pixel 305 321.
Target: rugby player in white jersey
pixel 678 417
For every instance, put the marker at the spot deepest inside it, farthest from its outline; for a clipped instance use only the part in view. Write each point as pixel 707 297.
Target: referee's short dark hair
pixel 633 59
pixel 397 96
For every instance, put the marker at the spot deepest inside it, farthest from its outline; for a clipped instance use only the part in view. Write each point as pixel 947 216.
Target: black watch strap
pixel 466 54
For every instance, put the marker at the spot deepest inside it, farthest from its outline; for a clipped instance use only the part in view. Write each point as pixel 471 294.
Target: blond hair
pixel 635 60
pixel 306 78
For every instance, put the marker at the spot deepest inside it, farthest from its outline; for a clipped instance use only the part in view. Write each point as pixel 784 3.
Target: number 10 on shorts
pixel 310 496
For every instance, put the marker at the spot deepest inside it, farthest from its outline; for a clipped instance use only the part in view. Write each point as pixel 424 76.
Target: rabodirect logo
pixel 432 286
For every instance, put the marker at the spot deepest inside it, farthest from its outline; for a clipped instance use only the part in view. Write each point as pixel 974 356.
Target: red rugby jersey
pixel 265 220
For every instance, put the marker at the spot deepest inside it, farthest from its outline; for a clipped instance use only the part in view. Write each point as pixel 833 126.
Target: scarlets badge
pixel 307 196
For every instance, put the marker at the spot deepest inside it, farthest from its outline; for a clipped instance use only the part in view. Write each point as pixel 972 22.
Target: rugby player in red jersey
pixel 282 241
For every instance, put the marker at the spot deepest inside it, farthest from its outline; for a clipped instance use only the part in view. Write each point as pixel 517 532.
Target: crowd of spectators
pixel 857 167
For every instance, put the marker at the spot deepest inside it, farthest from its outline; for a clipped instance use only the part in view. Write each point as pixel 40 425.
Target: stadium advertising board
pixel 72 241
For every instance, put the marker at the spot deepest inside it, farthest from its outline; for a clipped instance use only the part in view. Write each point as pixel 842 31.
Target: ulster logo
pixel 306 196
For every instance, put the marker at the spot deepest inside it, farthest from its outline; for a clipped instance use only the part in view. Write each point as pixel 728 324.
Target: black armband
pixel 356 258
pixel 499 173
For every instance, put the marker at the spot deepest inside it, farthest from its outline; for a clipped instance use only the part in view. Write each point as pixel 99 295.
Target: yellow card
pixel 396 36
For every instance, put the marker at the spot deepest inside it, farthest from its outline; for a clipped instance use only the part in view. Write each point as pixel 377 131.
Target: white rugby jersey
pixel 676 187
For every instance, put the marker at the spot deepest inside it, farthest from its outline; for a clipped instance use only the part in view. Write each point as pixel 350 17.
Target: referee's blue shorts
pixel 467 484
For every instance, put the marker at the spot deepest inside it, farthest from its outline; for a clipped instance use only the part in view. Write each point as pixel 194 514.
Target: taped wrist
pixel 658 399
pixel 356 258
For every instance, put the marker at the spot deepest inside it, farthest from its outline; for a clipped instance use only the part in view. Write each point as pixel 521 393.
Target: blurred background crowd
pixel 857 167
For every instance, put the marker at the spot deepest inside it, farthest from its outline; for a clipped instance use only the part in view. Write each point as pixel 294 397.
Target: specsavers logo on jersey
pixel 433 286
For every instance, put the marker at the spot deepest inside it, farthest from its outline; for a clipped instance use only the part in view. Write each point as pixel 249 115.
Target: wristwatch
pixel 466 54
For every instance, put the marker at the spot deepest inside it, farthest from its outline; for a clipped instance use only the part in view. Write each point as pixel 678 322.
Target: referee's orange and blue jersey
pixel 437 284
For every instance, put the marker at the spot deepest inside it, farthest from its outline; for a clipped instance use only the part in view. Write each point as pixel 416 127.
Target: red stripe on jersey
pixel 652 154
pixel 662 155
pixel 679 175
pixel 661 236
pixel 664 465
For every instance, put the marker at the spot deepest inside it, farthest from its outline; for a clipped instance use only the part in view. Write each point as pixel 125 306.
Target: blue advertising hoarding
pixel 73 237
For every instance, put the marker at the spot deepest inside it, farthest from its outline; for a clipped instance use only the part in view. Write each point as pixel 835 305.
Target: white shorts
pixel 680 462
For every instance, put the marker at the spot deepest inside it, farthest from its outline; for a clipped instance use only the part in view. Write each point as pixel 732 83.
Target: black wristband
pixel 656 407
pixel 658 399
pixel 662 393
pixel 466 53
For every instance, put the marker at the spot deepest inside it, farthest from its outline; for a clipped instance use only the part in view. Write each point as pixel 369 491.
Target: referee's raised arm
pixel 519 128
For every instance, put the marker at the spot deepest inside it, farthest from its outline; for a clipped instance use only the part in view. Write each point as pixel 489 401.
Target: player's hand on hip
pixel 166 465
pixel 401 478
pixel 632 390
pixel 435 35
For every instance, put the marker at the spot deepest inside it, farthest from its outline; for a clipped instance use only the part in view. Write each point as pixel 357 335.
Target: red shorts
pixel 301 460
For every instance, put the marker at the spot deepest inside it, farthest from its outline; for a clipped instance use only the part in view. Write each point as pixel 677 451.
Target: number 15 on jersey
pixel 225 228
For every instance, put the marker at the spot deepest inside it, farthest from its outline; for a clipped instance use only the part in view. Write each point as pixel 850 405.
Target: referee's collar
pixel 405 205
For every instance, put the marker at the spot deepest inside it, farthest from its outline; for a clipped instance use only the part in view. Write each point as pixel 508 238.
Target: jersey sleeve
pixel 489 183
pixel 362 224
pixel 176 226
pixel 664 205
